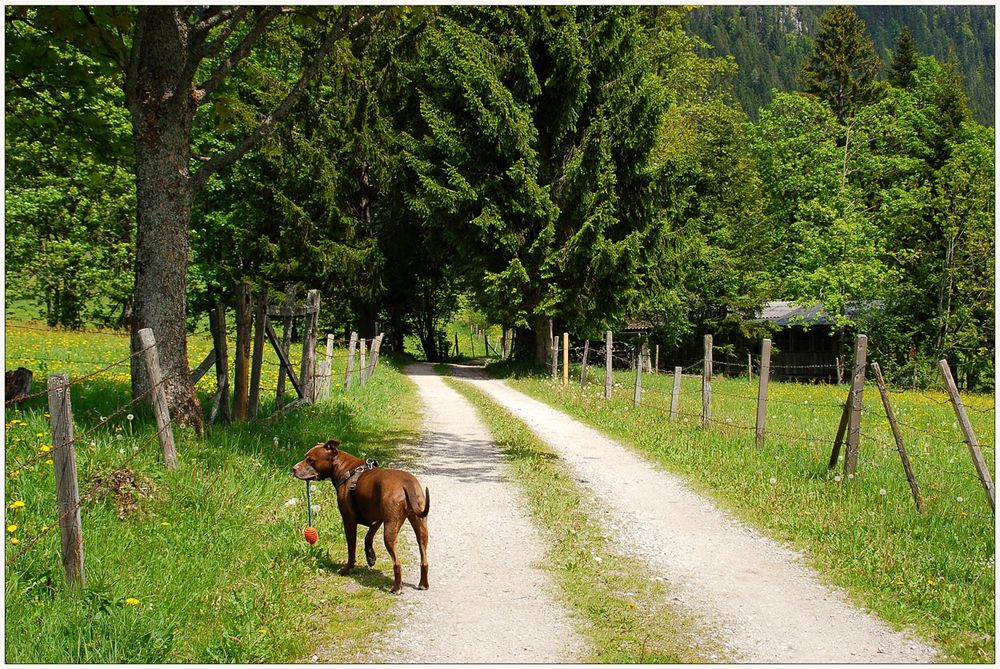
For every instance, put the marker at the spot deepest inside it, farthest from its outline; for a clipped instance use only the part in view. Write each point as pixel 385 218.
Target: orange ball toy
pixel 311 535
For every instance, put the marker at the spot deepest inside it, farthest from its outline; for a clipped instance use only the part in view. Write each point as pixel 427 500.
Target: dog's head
pixel 319 462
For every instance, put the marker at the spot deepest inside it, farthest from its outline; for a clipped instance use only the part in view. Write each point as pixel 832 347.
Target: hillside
pixel 770 43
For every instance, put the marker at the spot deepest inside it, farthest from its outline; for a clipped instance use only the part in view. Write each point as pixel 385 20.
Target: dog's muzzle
pixel 304 472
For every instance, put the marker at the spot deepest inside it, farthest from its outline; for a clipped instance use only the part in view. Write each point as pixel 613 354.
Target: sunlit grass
pixel 209 563
pixel 934 572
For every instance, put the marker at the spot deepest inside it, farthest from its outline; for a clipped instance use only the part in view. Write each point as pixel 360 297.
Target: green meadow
pixel 933 572
pixel 203 564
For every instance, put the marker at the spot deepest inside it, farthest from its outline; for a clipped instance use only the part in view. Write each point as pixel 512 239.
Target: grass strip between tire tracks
pixel 628 616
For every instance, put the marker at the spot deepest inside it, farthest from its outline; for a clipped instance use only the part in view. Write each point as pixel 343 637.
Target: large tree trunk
pixel 534 344
pixel 162 106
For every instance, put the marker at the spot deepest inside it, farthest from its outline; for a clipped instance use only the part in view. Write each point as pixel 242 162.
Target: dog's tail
pixel 409 501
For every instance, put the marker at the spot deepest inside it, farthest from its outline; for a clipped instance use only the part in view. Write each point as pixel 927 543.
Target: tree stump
pixel 17 386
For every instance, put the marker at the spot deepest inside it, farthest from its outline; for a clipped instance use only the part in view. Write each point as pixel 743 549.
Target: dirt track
pixel 489 601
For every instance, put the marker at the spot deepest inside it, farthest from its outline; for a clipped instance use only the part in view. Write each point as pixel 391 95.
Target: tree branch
pixel 213 17
pixel 112 52
pixel 241 51
pixel 224 160
pixel 211 48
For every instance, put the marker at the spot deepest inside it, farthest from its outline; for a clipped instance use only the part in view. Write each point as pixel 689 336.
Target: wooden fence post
pixel 706 384
pixel 583 368
pixel 656 365
pixel 637 395
pixel 349 374
pixel 307 375
pixel 158 398
pixel 765 378
pixel 750 366
pixel 891 415
pixel 376 352
pixel 362 360
pixel 220 405
pixel 456 345
pixel 857 390
pixel 565 358
pixel 258 353
pixel 608 349
pixel 970 436
pixel 241 384
pixel 675 396
pixel 67 490
pixel 286 345
pixel 555 358
pixel 328 367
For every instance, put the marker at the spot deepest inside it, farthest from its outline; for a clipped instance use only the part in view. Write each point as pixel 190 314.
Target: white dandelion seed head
pixel 838 478
pixel 130 416
pixel 119 437
pixel 292 502
pixel 959 500
pixel 773 480
pixel 882 491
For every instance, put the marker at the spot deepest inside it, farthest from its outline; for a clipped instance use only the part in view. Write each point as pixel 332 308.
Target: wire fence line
pixel 87 496
pixel 874 429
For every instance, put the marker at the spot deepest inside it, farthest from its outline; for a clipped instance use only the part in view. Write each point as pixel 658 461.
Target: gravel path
pixel 766 603
pixel 488 601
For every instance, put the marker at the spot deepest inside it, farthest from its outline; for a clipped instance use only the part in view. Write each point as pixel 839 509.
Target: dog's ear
pixel 331 445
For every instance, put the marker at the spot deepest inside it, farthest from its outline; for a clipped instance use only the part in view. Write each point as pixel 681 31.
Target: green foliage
pixel 771 43
pixel 70 201
pixel 843 67
pixel 904 59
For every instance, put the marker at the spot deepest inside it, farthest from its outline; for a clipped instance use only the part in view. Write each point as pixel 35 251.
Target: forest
pixel 770 44
pixel 592 165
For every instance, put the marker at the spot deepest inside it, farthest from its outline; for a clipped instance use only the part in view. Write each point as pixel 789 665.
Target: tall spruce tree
pixel 532 155
pixel 904 59
pixel 843 67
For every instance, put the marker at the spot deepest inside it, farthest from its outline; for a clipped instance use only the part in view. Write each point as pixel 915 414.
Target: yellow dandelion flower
pixel 132 601
pixel 249 506
pixel 262 630
pixel 165 523
pixel 49 461
pixel 17 504
pixel 44 448
pixel 931 582
pixel 39 434
pixel 15 541
pixel 12 528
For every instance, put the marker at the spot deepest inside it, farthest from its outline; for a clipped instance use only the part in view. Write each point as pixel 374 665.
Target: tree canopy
pixel 588 165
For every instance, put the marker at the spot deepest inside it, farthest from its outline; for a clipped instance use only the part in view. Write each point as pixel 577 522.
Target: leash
pixel 310 533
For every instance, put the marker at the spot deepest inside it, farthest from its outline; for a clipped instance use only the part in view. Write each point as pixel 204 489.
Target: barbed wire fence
pixel 867 423
pixel 62 452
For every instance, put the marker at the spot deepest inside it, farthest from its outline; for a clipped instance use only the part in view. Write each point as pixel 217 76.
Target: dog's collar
pixel 371 463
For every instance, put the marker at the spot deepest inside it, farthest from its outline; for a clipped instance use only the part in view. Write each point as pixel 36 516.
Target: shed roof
pixel 787 313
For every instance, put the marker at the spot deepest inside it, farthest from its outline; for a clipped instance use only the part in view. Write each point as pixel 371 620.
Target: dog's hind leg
pixel 369 548
pixel 420 529
pixel 390 534
pixel 351 534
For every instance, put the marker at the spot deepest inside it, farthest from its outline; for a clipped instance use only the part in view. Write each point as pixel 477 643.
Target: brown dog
pixel 371 496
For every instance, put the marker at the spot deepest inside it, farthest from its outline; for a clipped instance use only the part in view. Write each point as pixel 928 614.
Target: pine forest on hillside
pixel 770 43
pixel 586 164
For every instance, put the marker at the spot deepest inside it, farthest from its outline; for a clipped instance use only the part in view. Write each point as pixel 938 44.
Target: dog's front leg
pixel 351 532
pixel 369 548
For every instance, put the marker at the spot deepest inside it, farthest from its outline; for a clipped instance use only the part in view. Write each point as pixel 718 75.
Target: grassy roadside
pixel 623 613
pixel 206 564
pixel 932 572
